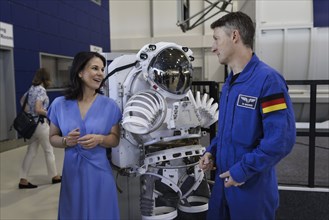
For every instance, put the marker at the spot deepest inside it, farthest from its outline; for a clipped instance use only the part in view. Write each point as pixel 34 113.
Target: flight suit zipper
pixel 225 206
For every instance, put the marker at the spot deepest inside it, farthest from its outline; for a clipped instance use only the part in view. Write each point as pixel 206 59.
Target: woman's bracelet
pixel 64 141
pixel 101 138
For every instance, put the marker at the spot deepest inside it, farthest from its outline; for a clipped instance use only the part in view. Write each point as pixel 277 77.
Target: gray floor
pixel 39 203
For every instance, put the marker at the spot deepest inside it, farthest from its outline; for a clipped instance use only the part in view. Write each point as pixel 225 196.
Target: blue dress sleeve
pixel 53 111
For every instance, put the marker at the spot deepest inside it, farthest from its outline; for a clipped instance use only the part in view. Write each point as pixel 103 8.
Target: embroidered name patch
pixel 247 101
pixel 273 103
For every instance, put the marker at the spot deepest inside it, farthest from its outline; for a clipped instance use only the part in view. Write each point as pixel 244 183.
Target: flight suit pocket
pixel 246 127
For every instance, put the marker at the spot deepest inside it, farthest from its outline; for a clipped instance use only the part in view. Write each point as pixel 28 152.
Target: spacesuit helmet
pixel 171 70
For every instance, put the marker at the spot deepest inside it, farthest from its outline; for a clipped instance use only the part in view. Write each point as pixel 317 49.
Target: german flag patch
pixel 273 103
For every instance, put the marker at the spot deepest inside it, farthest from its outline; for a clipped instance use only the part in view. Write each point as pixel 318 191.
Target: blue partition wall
pixel 320 13
pixel 59 27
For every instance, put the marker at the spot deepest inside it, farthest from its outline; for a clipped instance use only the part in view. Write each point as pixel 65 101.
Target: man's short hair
pixel 237 21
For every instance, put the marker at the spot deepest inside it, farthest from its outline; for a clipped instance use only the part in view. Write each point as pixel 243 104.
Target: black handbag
pixel 24 123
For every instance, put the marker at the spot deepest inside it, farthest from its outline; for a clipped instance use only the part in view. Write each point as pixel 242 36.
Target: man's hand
pixel 228 180
pixel 206 162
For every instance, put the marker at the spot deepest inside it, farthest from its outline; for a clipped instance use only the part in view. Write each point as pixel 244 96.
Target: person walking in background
pixel 256 127
pixel 38 102
pixel 86 123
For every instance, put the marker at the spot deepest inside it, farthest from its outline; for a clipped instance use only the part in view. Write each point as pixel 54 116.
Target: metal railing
pixel 312 133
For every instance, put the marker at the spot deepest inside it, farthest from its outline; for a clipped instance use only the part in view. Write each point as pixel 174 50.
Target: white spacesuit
pixel 161 128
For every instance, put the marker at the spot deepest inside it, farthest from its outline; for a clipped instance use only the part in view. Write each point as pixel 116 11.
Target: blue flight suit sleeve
pixel 213 146
pixel 279 134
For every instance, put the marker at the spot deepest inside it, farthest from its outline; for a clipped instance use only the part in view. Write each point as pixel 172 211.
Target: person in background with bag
pixel 86 123
pixel 38 102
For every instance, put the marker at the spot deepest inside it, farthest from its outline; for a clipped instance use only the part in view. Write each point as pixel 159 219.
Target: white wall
pixel 285 37
pixel 287 12
pixel 287 40
pixel 151 21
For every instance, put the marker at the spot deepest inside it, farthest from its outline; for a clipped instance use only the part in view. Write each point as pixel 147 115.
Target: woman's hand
pixel 90 140
pixel 72 137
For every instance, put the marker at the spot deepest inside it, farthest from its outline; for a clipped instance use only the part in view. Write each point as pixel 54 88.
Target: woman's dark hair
pixel 80 60
pixel 41 76
pixel 238 21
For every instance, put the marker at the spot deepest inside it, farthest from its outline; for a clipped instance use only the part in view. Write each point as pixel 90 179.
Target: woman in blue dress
pixel 85 123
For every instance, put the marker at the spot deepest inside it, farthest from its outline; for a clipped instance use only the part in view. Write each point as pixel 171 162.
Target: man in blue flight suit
pixel 256 127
